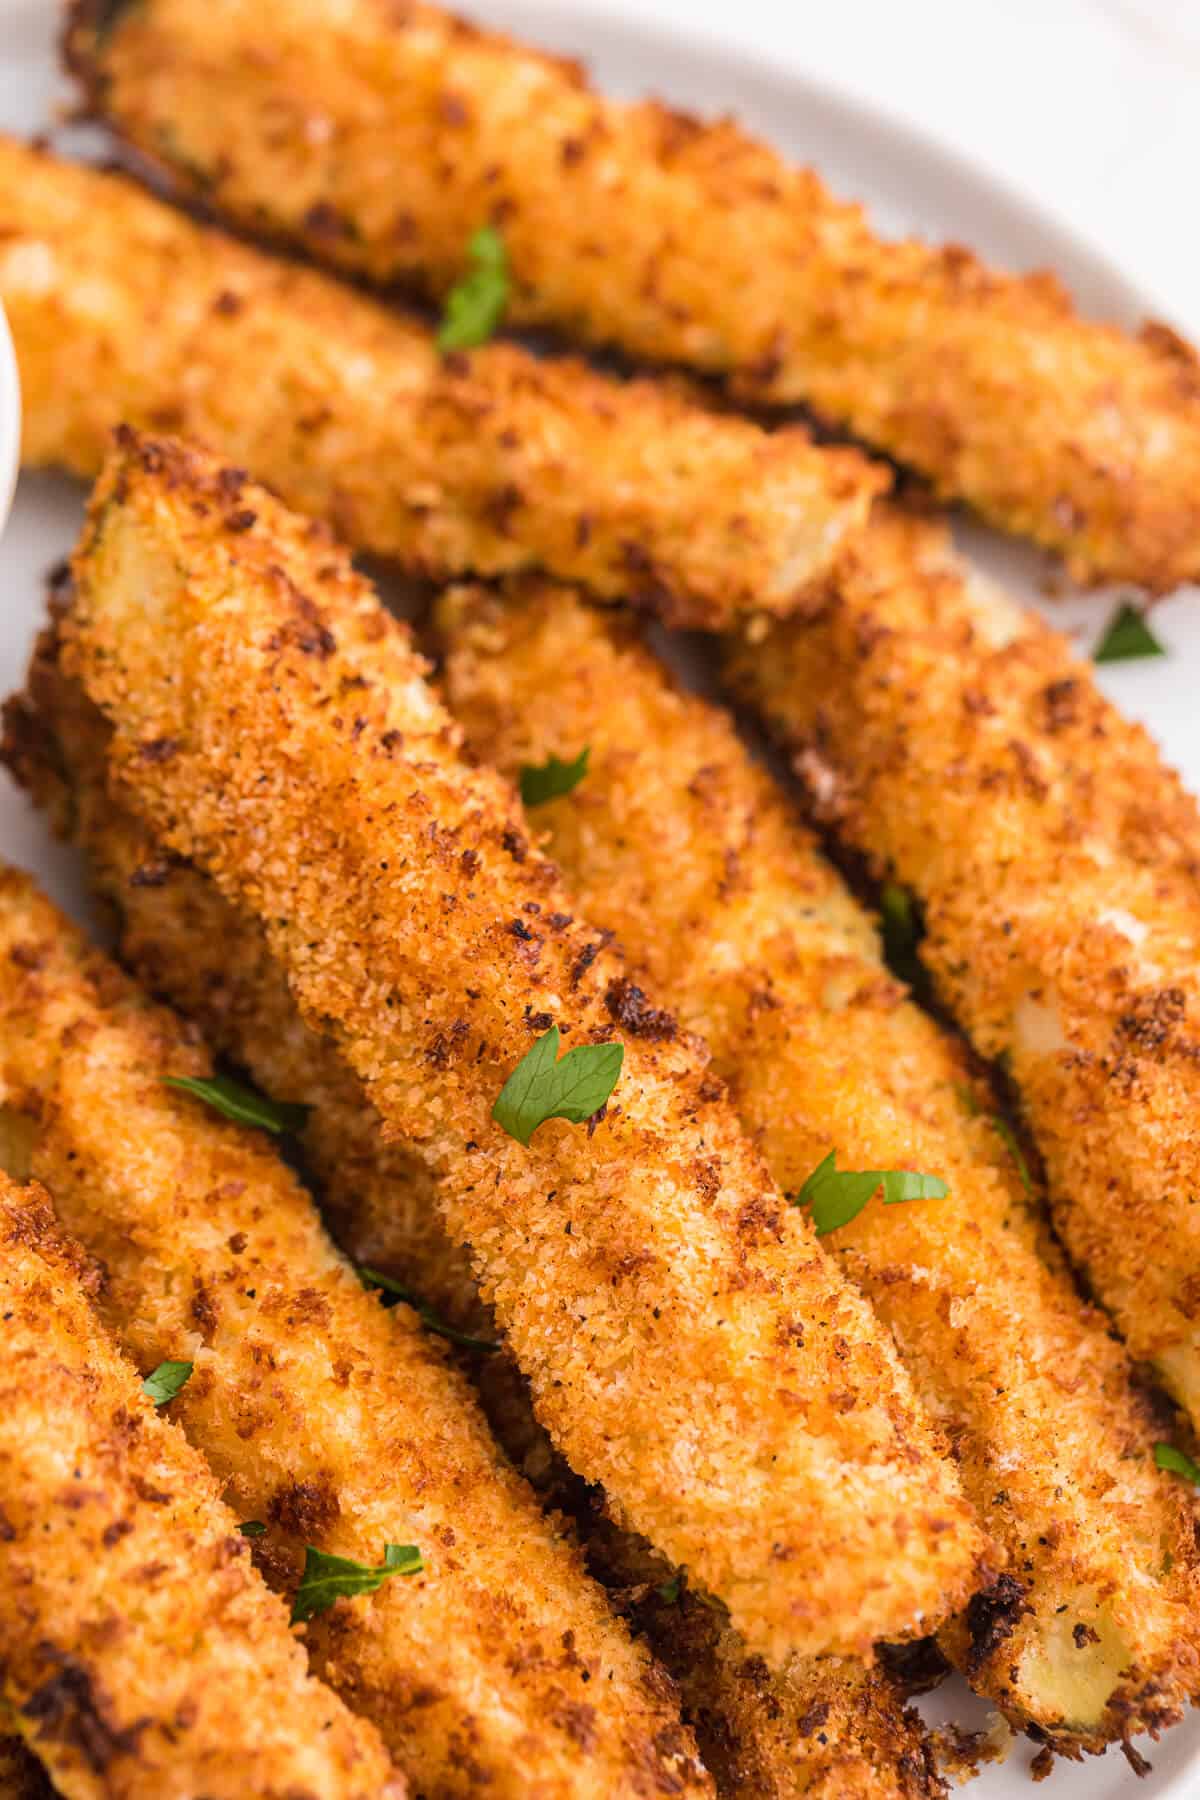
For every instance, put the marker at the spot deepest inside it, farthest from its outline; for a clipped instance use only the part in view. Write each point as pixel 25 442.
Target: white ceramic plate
pixel 911 185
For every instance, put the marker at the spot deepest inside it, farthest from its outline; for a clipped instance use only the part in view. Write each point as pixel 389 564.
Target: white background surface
pixel 1085 107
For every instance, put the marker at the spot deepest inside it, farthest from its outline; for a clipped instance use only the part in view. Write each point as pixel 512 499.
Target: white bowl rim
pixel 10 420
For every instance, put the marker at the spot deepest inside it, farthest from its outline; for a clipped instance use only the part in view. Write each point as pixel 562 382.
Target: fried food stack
pixel 598 1439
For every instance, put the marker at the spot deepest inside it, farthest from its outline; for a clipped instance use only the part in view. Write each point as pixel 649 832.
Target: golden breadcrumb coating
pixel 330 1420
pixel 188 946
pixel 684 847
pixel 140 1652
pixel 378 137
pixel 964 748
pixel 824 1728
pixel 483 461
pixel 689 1345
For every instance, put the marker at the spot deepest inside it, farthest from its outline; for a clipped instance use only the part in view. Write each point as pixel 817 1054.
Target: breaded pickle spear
pixel 688 1344
pixel 963 747
pixel 827 1729
pixel 141 1653
pixel 685 848
pixel 329 1420
pixel 123 309
pixel 379 137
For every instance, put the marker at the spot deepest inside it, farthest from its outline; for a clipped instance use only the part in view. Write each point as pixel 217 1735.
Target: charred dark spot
pixel 305 1509
pixel 917 1667
pixel 992 1618
pixel 1083 1635
pixel 71 1708
pixel 760 1219
pixel 1135 1759
pixel 578 1720
pixel 1042 1764
pixel 159 750
pixel 519 929
pixel 115 1532
pixel 1060 703
pixel 1148 1023
pixel 626 1003
pixel 325 222
pixel 244 519
pixel 597 1119
pixel 146 1491
pixel 308 1306
pixel 27 956
pixel 515 844
pixel 501 506
pixel 583 962
pixel 228 304
pixel 447 1044
pixel 813 1719
pixel 470 861
pixel 204 1311
pixel 230 482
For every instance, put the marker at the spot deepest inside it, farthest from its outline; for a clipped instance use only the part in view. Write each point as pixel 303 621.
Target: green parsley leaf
pixel 252 1528
pixel 169 1379
pixel 670 1590
pixel 373 1279
pixel 475 306
pixel 835 1196
pixel 329 1578
pixel 900 918
pixel 546 781
pixel 1168 1457
pixel 242 1104
pixel 544 1087
pixel 1008 1136
pixel 1004 1132
pixel 1126 637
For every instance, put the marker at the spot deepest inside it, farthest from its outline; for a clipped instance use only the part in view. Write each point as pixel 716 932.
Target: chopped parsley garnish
pixel 901 932
pixel 475 305
pixel 1004 1132
pixel 546 781
pixel 670 1590
pixel 544 1086
pixel 1126 637
pixel 1168 1457
pixel 252 1528
pixel 241 1104
pixel 169 1379
pixel 429 1319
pixel 329 1578
pixel 1008 1136
pixel 835 1196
